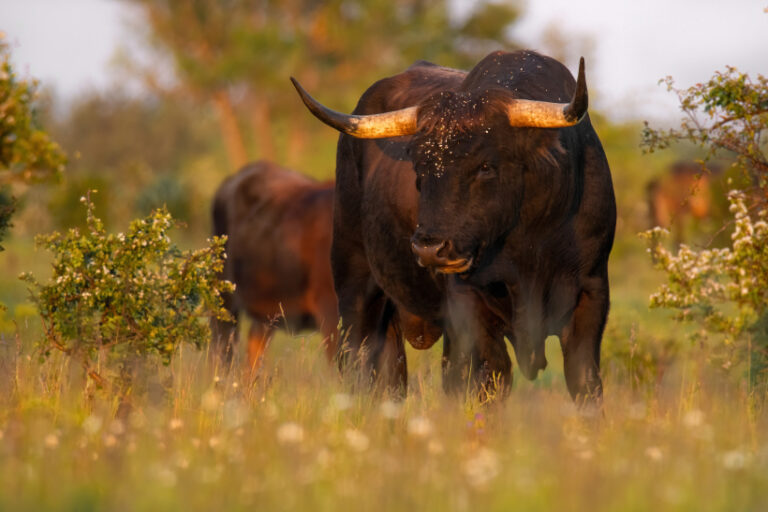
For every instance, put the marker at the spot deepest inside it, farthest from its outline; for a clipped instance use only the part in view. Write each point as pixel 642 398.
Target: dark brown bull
pixel 477 206
pixel 278 224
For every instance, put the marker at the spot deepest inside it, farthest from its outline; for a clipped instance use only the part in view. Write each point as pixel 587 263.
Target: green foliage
pixel 27 154
pixel 727 114
pixel 130 293
pixel 724 290
pixel 238 54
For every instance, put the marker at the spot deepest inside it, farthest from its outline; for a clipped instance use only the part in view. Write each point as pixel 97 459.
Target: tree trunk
pixel 297 141
pixel 230 130
pixel 265 142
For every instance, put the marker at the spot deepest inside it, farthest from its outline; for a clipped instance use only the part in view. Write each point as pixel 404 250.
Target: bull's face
pixel 469 184
pixel 468 169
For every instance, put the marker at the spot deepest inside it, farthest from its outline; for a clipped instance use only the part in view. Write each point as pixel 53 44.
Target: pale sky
pixel 635 43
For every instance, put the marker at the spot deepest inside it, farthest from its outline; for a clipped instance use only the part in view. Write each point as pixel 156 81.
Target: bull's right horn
pixel 372 126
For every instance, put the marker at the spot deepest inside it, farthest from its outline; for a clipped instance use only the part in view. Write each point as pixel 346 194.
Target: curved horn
pixel 543 114
pixel 372 126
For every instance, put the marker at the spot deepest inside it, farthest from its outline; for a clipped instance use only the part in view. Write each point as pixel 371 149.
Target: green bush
pixel 127 294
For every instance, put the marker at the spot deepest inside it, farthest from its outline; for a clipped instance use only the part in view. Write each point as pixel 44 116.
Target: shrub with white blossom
pixel 724 289
pixel 132 293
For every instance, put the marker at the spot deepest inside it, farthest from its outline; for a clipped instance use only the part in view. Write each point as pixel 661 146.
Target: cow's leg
pixel 474 352
pixel 258 339
pixel 224 333
pixel 580 341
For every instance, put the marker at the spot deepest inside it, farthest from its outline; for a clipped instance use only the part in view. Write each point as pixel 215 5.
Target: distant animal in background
pixel 680 196
pixel 279 225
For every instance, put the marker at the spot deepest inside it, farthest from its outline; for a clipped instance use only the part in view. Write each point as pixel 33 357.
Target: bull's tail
pixel 219 216
pixel 224 335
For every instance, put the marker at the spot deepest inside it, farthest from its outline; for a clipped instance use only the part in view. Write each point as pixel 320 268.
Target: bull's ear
pixel 544 114
pixel 372 126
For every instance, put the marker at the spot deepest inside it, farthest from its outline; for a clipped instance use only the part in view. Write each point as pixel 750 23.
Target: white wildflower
pixel 290 433
pixel 482 468
pixel 341 401
pixel 390 409
pixel 654 453
pixel 165 476
pixel 357 440
pixel 734 460
pixel 419 426
pixel 51 441
pixel 235 413
pixel 210 400
pixel 435 447
pixel 92 424
pixel 693 418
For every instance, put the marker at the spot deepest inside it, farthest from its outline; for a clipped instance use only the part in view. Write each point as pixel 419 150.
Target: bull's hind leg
pixel 580 341
pixel 387 364
pixel 475 355
pixel 258 339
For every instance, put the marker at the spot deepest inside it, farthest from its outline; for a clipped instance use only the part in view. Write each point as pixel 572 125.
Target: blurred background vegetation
pixel 683 429
pixel 215 94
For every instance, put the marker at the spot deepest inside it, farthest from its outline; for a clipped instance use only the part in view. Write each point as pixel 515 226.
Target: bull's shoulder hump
pixel 408 88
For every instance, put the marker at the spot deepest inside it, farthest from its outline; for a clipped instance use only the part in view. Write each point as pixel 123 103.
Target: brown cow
pixel 682 194
pixel 278 224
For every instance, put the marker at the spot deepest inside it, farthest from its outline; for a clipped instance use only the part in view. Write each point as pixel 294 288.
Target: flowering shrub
pixel 132 293
pixel 725 290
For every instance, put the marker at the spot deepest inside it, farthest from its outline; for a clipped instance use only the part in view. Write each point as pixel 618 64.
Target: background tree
pixel 27 154
pixel 238 55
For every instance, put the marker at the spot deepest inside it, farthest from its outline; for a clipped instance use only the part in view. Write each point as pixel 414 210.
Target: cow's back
pixel 278 224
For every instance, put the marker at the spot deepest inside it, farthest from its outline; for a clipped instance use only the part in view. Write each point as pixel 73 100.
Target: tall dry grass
pixel 295 438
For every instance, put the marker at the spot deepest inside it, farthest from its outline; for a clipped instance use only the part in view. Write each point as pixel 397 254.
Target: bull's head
pixel 468 166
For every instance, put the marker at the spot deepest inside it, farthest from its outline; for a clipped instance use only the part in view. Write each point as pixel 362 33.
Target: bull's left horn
pixel 372 126
pixel 543 114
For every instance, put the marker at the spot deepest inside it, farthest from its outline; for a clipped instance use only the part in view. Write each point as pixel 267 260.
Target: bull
pixel 278 228
pixel 476 206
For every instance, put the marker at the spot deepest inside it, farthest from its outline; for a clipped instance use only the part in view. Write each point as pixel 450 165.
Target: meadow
pixel 675 432
pixel 678 429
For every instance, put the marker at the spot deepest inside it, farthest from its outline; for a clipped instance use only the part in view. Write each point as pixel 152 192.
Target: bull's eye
pixel 486 171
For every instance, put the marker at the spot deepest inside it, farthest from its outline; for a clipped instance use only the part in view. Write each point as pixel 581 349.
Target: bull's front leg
pixel 580 341
pixel 371 345
pixel 475 356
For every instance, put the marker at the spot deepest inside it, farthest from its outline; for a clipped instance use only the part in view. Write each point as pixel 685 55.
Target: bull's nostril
pixel 444 248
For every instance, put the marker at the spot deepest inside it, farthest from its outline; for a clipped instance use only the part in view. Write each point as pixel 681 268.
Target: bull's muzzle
pixel 439 255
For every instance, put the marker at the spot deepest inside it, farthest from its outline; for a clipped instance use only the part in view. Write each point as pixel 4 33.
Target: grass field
pixel 675 433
